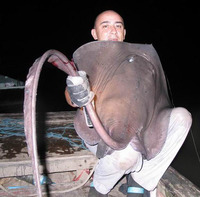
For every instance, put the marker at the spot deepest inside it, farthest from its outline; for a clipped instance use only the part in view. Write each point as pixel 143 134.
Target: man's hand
pixel 79 89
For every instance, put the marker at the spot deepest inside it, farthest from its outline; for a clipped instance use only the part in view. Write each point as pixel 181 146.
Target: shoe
pixel 133 189
pixel 94 193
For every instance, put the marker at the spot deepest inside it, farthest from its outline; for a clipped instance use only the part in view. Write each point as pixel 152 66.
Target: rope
pixel 14 127
pixel 195 146
pixel 191 131
pixel 69 189
pixel 8 125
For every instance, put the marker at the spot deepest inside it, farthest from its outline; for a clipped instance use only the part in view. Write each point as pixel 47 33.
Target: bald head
pixel 105 14
pixel 109 25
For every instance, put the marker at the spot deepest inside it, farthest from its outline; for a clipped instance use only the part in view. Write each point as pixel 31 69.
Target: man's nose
pixel 113 30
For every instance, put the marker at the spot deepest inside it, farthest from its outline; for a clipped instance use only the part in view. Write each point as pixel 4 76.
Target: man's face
pixel 109 26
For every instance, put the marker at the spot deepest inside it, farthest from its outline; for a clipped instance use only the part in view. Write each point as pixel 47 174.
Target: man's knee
pixel 127 163
pixel 128 159
pixel 182 116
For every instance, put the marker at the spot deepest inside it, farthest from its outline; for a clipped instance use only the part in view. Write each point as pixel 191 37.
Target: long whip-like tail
pixel 61 62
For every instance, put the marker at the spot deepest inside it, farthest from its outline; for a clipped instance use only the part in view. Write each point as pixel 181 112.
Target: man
pixel 109 26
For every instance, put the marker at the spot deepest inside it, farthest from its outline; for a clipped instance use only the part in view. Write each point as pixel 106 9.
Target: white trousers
pixel 146 173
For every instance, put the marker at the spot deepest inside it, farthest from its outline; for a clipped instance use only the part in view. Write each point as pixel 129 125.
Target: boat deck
pixel 64 159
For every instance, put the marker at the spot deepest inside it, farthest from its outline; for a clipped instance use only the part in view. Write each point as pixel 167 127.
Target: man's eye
pixel 105 26
pixel 119 26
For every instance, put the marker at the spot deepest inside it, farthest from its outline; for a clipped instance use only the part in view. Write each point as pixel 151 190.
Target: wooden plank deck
pixel 60 155
pixel 63 161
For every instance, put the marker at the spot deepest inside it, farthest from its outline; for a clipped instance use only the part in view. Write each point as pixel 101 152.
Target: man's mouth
pixel 113 39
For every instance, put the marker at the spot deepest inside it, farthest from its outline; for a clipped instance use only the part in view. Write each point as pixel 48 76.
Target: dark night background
pixel 29 29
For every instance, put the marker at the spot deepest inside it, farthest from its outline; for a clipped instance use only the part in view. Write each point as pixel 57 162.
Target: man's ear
pixel 94 34
pixel 124 33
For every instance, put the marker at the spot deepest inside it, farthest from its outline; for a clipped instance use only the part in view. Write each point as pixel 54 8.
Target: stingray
pixel 131 103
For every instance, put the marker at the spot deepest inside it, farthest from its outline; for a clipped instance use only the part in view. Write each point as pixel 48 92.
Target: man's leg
pixel 112 167
pixel 152 170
